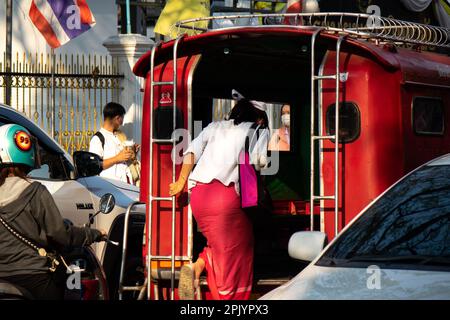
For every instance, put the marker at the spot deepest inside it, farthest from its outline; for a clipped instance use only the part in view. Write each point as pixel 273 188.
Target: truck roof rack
pixel 360 26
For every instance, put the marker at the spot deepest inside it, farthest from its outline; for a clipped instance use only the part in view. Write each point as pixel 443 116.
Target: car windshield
pixel 410 224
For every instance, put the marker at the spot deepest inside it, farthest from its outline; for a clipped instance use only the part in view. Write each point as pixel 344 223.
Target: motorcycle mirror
pixel 107 203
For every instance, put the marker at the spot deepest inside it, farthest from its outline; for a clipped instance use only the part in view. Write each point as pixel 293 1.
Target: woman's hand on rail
pixel 176 187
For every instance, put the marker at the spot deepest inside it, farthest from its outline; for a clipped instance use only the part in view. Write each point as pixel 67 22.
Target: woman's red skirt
pixel 229 233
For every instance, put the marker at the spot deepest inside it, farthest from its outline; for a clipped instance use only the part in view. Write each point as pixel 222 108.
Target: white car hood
pixel 317 283
pixel 122 185
pixel 124 193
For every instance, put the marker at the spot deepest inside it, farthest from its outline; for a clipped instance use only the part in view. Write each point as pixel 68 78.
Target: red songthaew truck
pixel 390 79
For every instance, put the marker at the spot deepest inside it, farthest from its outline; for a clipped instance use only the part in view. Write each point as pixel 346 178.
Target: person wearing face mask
pixel 280 140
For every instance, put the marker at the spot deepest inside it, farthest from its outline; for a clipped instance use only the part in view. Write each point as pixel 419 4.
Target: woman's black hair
pixel 244 111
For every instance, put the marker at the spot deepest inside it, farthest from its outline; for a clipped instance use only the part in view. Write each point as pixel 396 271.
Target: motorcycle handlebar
pixel 105 238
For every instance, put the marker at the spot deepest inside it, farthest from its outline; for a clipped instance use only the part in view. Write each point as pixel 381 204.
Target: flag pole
pixel 53 94
pixel 8 52
pixel 127 4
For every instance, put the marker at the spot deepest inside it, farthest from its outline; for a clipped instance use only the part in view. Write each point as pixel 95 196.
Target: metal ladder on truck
pixel 152 199
pixel 320 136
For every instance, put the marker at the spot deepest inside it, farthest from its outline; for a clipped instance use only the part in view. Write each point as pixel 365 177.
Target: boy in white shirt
pixel 107 145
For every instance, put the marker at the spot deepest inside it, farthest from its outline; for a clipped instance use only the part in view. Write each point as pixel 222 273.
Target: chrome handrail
pixel 122 288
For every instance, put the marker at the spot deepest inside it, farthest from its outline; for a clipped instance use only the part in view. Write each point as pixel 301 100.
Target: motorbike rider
pixel 28 209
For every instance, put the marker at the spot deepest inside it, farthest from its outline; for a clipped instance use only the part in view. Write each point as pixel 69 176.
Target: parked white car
pixel 77 194
pixel 398 247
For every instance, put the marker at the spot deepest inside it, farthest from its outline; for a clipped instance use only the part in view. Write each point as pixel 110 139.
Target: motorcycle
pixel 86 279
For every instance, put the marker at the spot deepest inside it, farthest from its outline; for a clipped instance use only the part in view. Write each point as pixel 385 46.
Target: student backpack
pixel 101 137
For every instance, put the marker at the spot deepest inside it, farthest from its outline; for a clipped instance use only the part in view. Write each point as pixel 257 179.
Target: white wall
pixel 26 38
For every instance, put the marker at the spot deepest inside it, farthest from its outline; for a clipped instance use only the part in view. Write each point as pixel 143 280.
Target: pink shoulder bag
pixel 250 183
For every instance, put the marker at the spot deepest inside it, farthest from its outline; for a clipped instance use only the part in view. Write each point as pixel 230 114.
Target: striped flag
pixel 59 21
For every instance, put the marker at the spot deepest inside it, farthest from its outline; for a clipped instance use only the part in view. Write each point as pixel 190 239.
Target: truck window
pixel 163 121
pixel 293 160
pixel 349 121
pixel 221 108
pixel 278 115
pixel 428 116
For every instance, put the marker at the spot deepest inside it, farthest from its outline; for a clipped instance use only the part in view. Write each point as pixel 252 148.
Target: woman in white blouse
pixel 215 202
